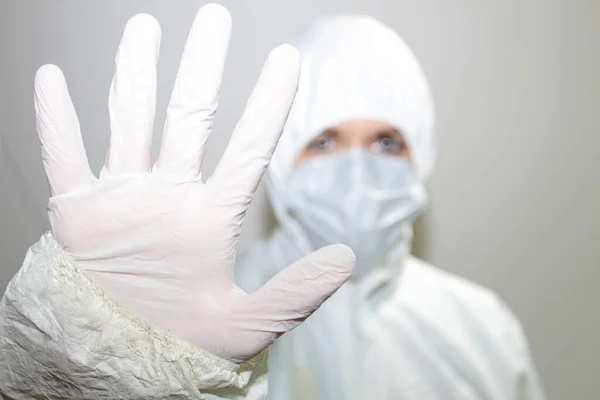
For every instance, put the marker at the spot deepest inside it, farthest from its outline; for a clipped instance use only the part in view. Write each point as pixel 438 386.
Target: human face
pixel 378 137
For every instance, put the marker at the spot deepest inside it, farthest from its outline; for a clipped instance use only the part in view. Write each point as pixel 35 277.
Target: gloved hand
pixel 159 238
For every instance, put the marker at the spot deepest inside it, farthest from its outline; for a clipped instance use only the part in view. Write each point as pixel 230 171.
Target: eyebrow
pixel 328 132
pixel 391 130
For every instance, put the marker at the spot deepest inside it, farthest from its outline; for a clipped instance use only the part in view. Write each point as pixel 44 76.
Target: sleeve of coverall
pixel 64 337
pixel 529 384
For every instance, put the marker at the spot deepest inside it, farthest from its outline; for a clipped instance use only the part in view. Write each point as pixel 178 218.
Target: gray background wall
pixel 516 191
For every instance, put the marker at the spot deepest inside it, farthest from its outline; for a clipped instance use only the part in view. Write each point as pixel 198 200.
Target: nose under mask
pixel 364 200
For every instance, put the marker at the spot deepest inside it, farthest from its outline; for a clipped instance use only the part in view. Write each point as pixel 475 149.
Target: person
pixel 350 168
pixel 131 293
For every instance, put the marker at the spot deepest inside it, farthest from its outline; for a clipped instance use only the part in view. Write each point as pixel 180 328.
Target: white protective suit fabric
pixel 404 330
pixel 62 336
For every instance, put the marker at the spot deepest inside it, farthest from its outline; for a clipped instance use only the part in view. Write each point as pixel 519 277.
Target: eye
pixel 388 143
pixel 322 143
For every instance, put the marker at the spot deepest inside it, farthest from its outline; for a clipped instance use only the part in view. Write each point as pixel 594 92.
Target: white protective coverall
pixel 405 329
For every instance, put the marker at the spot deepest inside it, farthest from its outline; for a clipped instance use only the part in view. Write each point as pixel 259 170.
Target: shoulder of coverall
pixel 467 313
pixel 420 277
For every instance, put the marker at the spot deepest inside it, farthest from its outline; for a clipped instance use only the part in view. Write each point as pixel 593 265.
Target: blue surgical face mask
pixel 364 200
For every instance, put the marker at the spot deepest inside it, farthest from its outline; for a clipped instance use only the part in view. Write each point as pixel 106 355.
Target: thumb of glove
pixel 293 294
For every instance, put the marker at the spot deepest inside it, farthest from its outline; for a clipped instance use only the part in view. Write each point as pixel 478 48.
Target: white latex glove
pixel 160 239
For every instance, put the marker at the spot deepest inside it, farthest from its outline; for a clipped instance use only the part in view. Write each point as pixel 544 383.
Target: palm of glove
pixel 167 223
pixel 162 247
pixel 160 239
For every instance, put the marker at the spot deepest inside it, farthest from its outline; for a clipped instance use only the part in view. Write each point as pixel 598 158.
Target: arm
pixel 64 336
pixel 131 295
pixel 529 385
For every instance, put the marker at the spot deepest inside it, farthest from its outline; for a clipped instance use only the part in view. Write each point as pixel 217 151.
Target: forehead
pixel 360 128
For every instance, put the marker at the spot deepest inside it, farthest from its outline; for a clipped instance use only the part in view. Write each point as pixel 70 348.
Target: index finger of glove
pixel 63 153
